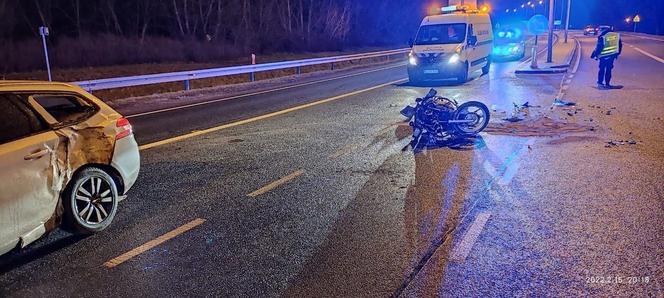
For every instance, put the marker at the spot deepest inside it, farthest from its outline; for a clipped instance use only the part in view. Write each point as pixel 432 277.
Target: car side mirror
pixel 472 40
pixel 410 42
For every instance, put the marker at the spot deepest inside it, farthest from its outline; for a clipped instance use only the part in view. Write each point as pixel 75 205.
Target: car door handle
pixel 36 155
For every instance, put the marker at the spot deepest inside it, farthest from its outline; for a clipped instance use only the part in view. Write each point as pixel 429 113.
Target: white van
pixel 451 45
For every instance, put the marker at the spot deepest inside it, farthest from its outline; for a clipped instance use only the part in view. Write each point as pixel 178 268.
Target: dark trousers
pixel 605 67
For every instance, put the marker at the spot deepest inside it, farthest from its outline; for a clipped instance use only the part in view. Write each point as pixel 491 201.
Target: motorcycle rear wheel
pixel 472 110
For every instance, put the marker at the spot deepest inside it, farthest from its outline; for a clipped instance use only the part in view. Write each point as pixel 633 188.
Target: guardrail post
pixel 252 76
pixel 332 66
pixel 298 70
pixel 187 85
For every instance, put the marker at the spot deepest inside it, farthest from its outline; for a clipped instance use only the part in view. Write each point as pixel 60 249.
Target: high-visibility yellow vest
pixel 611 44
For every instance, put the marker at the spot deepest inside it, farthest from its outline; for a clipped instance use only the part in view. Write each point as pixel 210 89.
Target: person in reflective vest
pixel 609 47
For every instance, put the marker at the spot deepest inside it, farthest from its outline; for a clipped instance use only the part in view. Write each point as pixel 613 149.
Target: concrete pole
pixel 569 6
pixel 549 51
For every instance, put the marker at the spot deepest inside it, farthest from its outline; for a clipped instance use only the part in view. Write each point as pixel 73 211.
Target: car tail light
pixel 125 127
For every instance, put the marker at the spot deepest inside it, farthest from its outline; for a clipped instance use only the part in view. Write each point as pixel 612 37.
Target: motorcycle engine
pixel 435 115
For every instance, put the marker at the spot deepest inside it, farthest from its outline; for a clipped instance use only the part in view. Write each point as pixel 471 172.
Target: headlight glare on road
pixel 454 59
pixel 412 60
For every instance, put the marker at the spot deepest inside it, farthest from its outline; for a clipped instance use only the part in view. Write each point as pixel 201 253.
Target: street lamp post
pixel 549 52
pixel 43 31
pixel 569 7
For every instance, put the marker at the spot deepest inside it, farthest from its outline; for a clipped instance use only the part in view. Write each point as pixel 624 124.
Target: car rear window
pixel 64 108
pixel 17 119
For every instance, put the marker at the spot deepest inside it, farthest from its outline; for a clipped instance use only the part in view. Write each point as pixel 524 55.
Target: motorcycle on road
pixel 437 120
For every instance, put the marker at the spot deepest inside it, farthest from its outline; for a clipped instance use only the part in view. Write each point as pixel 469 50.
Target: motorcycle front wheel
pixel 476 113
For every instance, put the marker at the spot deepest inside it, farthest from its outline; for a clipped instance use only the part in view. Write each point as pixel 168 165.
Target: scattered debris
pixel 519 113
pixel 615 143
pixel 570 114
pixel 563 103
pixel 608 113
pixel 514 118
pixel 530 148
pixel 528 105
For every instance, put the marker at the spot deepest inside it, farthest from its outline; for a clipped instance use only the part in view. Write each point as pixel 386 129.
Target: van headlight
pixel 454 58
pixel 412 60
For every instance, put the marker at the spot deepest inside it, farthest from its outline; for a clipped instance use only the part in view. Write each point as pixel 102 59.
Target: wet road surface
pixel 323 200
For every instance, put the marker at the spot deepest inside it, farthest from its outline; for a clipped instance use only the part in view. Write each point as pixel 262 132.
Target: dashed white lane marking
pixel 262 92
pixel 266 116
pixel 514 163
pixel 342 151
pixel 152 243
pixel 275 184
pixel 461 251
pixel 660 60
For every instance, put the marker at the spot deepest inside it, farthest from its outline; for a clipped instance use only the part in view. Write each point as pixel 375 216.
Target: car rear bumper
pixel 127 161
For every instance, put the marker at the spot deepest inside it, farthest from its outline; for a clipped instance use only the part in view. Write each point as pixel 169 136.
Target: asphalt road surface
pixel 308 191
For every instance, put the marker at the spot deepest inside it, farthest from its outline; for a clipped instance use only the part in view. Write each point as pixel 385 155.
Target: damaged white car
pixel 66 160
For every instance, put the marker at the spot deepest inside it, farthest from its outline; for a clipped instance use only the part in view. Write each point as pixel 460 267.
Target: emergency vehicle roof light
pixel 452 8
pixel 458 8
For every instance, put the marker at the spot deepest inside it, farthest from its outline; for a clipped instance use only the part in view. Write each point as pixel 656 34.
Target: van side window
pixel 64 108
pixel 18 120
pixel 470 30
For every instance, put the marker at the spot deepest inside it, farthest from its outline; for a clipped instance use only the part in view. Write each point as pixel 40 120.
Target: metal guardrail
pixel 187 76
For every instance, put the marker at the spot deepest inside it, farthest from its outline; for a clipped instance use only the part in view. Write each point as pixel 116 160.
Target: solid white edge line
pixel 260 92
pixel 643 37
pixel 660 60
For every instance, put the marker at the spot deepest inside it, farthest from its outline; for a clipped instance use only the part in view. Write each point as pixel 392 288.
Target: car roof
pixel 23 85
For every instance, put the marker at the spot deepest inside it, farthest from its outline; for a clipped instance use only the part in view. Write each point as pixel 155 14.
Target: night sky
pixel 598 12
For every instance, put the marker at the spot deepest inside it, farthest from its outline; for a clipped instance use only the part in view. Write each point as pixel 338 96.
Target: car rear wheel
pixel 90 201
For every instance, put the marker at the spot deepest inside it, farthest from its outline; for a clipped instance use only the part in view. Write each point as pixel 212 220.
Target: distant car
pixel 602 28
pixel 590 30
pixel 509 44
pixel 66 157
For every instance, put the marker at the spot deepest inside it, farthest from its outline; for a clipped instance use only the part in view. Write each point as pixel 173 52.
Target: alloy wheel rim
pixel 477 116
pixel 93 201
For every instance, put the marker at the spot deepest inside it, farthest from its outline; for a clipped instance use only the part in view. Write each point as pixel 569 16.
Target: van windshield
pixel 441 34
